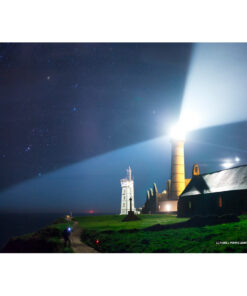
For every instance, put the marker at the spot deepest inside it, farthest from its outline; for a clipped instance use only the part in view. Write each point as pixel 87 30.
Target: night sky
pixel 74 116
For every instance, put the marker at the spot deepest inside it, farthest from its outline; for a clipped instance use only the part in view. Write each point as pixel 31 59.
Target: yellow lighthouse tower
pixel 167 200
pixel 177 168
pixel 177 163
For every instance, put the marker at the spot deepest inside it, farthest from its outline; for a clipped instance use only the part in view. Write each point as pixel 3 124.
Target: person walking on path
pixel 66 237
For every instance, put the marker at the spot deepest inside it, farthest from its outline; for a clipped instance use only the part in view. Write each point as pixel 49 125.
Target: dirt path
pixel 76 244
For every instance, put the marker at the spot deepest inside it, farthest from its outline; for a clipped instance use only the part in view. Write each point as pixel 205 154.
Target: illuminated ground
pixel 76 244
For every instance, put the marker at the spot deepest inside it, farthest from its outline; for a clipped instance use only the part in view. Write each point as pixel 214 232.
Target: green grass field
pixel 117 236
pixel 108 234
pixel 114 222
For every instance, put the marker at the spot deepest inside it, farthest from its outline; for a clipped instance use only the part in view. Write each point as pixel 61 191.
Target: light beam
pixel 215 89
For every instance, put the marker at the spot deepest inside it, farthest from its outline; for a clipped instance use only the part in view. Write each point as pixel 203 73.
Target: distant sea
pixel 18 224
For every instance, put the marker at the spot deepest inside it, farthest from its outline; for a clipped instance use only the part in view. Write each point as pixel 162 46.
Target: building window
pixel 189 204
pixel 220 201
pixel 123 204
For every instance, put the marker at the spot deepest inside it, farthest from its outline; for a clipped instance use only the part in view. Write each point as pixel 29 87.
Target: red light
pixel 91 211
pixel 97 241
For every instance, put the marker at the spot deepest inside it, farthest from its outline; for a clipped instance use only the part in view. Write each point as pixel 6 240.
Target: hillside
pixel 152 233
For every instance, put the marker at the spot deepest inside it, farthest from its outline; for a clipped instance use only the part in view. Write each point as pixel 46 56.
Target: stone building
pixel 216 193
pixel 160 202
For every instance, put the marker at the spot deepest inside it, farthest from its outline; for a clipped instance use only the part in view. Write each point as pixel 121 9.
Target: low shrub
pixel 32 245
pixel 212 220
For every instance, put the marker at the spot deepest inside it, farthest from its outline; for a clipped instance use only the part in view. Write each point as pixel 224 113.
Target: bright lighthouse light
pixel 188 121
pixel 177 133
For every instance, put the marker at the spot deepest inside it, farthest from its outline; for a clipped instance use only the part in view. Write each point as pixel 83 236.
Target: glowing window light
pixel 168 207
pixel 220 201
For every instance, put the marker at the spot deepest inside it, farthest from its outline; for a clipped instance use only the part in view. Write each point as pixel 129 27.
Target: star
pixel 28 148
pixel 48 77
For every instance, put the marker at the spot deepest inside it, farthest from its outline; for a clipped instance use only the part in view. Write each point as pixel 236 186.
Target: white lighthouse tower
pixel 127 185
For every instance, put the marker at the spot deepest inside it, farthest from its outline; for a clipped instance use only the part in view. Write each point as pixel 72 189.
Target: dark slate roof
pixel 220 181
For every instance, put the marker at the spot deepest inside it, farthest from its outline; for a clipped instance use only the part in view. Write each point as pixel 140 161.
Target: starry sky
pixel 74 116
